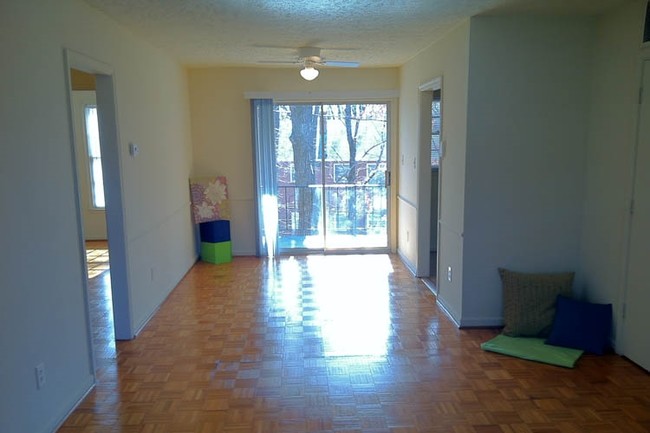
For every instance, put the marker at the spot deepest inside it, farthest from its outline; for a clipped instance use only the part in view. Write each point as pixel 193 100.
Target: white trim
pixel 434 84
pixel 244 253
pixel 115 219
pixel 81 244
pixel 621 340
pixel 87 64
pixel 481 322
pixel 74 407
pixel 432 287
pixel 406 262
pixel 321 96
pixel 404 200
pixel 424 215
pixel 448 311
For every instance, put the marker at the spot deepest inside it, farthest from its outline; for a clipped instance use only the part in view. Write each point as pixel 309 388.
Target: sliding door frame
pixel 390 104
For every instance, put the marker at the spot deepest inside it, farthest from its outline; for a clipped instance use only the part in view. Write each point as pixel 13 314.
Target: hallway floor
pixel 338 344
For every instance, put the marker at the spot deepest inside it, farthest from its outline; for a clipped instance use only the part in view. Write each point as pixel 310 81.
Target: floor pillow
pixel 529 301
pixel 581 325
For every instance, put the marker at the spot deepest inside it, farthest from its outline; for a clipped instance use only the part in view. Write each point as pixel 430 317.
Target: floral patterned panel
pixel 209 199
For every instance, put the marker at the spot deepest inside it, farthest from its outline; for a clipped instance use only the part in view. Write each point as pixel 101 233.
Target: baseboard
pixel 432 287
pixel 84 393
pixel 448 311
pixel 481 322
pixel 244 253
pixel 406 262
pixel 157 308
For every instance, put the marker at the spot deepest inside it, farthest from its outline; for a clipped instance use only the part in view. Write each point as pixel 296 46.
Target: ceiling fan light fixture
pixel 309 73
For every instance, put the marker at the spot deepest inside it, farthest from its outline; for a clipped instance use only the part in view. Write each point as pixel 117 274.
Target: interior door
pixel 637 299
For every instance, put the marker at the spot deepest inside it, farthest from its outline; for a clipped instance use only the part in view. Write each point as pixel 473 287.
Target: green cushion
pixel 533 349
pixel 529 301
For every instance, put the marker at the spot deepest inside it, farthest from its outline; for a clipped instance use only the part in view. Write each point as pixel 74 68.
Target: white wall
pixel 221 127
pixel 526 143
pixel 611 137
pixel 42 307
pixel 447 58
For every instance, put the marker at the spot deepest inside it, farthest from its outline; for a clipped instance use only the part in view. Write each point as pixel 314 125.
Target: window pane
pixel 435 133
pixel 94 156
pixel 330 166
pixel 92 131
pixel 97 182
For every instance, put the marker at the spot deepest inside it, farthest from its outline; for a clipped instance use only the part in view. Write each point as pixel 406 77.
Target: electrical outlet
pixel 152 274
pixel 449 273
pixel 408 235
pixel 40 375
pixel 134 150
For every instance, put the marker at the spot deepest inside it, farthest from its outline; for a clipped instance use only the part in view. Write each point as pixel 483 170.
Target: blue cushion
pixel 581 325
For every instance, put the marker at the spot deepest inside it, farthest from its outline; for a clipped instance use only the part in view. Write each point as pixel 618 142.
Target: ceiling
pixel 373 32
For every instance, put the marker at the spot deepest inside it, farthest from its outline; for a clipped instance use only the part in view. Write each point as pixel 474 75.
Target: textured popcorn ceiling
pixel 372 32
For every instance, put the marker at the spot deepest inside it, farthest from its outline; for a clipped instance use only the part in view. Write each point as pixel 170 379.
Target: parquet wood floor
pixel 97 261
pixel 339 344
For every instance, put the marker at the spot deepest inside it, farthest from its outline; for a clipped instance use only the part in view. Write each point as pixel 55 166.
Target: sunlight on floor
pixel 354 313
pixel 352 308
pixel 96 258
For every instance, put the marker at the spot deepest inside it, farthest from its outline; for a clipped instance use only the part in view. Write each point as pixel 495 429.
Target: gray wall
pixel 526 141
pixel 611 138
pixel 42 305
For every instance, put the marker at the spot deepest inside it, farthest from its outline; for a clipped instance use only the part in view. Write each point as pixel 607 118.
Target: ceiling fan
pixel 309 58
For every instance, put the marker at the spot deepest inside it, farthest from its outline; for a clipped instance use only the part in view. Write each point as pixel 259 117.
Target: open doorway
pixel 102 158
pixel 93 213
pixel 436 130
pixel 429 181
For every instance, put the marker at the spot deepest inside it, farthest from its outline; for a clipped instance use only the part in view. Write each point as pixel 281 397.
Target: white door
pixel 94 215
pixel 637 316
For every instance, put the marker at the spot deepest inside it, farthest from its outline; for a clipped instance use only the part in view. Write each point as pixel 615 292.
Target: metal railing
pixel 350 209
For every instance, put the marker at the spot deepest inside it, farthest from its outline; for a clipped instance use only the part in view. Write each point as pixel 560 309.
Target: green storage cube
pixel 216 252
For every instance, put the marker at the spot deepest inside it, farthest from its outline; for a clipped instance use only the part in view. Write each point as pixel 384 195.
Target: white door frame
pixel 623 331
pixel 422 265
pixel 110 149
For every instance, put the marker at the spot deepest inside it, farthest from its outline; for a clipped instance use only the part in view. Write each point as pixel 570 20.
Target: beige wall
pixel 447 58
pixel 221 126
pixel 80 80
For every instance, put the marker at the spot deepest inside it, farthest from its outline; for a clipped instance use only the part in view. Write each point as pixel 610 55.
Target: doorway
pixel 331 171
pixel 92 200
pixel 436 131
pixel 637 296
pixel 429 177
pixel 109 165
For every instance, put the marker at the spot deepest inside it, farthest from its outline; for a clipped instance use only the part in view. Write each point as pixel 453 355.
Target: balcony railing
pixel 350 209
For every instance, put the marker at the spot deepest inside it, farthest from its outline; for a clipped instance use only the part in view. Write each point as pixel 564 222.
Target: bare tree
pixel 304 128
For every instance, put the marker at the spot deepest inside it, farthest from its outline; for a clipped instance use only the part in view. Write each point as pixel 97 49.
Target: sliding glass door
pixel 331 164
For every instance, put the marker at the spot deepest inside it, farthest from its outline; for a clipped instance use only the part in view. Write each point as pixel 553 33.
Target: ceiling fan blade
pixel 339 64
pixel 279 62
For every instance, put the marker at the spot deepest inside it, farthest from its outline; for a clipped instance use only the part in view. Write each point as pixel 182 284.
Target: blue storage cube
pixel 215 231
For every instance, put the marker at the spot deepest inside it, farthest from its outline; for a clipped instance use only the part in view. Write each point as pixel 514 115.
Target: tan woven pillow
pixel 529 301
